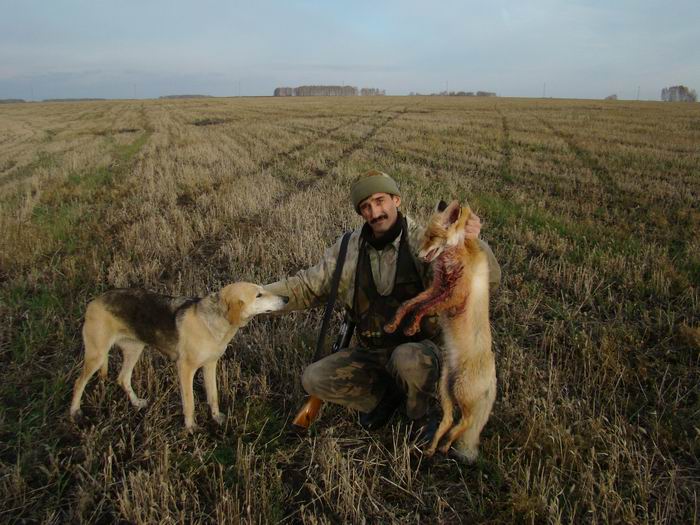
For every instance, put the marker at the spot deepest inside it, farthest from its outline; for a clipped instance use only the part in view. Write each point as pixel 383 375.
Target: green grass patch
pixel 261 421
pixel 126 153
pixel 504 213
pixel 92 180
pixel 37 310
pixel 59 223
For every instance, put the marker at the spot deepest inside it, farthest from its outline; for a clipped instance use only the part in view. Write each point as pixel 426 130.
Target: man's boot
pixel 424 428
pixel 381 414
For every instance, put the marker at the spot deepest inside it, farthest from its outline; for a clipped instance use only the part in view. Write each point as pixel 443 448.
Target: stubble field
pixel 590 207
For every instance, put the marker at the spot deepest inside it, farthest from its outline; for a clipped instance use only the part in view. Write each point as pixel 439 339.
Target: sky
pixel 150 48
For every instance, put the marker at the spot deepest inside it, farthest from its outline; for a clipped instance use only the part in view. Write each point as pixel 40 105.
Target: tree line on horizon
pixel 327 91
pixel 679 93
pixel 455 94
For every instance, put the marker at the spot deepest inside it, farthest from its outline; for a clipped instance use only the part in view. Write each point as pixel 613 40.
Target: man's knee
pixel 311 378
pixel 415 367
pixel 411 360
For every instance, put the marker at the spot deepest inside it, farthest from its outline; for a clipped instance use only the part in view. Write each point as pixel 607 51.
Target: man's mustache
pixel 377 219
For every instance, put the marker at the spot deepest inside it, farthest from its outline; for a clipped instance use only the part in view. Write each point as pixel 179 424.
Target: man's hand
pixel 473 227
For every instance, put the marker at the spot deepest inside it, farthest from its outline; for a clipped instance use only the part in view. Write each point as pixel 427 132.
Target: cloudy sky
pixel 149 48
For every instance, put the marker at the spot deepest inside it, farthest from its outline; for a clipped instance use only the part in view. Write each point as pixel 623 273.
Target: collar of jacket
pixel 389 237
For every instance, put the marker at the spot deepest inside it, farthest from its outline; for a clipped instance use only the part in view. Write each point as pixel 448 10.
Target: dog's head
pixel 445 229
pixel 244 300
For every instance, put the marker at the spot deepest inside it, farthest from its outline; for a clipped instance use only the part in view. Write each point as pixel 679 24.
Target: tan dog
pixel 192 332
pixel 460 293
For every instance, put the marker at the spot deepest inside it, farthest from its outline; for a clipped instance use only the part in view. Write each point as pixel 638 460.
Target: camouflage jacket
pixel 311 286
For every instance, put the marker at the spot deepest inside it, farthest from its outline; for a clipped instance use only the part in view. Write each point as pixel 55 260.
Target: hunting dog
pixel 193 332
pixel 460 294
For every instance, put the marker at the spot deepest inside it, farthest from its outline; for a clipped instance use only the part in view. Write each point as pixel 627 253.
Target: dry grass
pixel 590 207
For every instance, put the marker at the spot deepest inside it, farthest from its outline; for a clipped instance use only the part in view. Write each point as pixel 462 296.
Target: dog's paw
pixel 219 418
pixel 139 402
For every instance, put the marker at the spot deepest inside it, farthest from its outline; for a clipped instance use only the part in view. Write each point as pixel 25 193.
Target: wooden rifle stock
pixel 307 414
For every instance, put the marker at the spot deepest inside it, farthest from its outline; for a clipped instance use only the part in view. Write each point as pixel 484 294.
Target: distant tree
pixel 284 92
pixel 678 94
pixel 611 97
pixel 372 92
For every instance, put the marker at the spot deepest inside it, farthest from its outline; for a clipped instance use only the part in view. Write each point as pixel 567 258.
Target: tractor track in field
pixel 504 168
pixel 204 249
pixel 586 158
pixel 320 135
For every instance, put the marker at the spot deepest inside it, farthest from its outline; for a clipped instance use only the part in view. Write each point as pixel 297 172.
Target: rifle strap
pixel 332 295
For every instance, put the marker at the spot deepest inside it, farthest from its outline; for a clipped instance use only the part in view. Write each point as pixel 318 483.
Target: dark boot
pixel 381 414
pixel 423 429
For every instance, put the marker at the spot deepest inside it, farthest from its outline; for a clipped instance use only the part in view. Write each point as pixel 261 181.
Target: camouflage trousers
pixel 358 377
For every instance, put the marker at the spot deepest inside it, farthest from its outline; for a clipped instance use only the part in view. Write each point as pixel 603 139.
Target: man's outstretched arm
pixel 308 287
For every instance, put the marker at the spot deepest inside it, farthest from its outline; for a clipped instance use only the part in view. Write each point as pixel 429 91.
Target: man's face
pixel 380 210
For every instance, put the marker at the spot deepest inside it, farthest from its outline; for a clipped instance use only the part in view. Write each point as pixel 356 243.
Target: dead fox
pixel 460 294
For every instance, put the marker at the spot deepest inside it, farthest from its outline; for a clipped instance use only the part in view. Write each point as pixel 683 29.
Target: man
pixel 381 271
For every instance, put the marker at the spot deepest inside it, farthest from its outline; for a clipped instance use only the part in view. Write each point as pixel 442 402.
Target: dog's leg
pixel 131 351
pixel 209 370
pixel 97 344
pixel 447 408
pixel 186 374
pixel 104 369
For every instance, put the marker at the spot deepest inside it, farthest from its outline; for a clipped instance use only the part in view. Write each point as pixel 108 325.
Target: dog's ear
pixel 234 308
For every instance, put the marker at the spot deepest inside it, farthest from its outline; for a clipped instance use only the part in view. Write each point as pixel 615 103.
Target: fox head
pixel 445 229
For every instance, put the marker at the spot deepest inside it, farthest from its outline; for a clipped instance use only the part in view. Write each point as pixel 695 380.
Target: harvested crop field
pixel 591 207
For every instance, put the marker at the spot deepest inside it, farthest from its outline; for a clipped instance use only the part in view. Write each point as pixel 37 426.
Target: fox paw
pixel 219 418
pixel 445 448
pixel 466 456
pixel 411 330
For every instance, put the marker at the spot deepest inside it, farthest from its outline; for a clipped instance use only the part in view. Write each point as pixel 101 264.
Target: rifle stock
pixel 307 414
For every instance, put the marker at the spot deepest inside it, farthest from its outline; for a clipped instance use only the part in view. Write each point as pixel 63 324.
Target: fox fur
pixel 459 293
